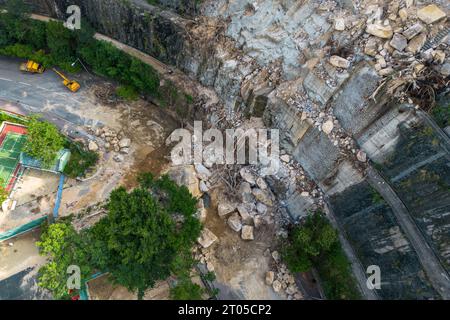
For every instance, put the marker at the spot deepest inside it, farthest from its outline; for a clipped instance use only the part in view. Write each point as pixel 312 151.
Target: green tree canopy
pixel 43 140
pixel 314 238
pixel 143 235
pixel 315 244
pixel 64 247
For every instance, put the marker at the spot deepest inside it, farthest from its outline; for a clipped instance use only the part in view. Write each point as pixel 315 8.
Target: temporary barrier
pixel 22 229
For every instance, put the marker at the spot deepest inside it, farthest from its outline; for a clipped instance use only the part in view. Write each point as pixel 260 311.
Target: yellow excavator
pixel 31 66
pixel 72 85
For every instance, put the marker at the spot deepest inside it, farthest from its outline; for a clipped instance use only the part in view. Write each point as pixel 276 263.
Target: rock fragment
pixel 413 31
pixel 234 222
pixel 270 277
pixel 430 14
pixel 416 43
pixel 207 238
pixel 380 31
pixel 398 42
pixel 225 207
pixel 247 233
pixel 92 146
pixel 339 62
pixel 327 127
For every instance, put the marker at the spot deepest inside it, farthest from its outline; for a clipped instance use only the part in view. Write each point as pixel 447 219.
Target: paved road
pixel 436 273
pixel 26 93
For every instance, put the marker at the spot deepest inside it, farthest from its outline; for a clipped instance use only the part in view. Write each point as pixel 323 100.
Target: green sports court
pixel 12 139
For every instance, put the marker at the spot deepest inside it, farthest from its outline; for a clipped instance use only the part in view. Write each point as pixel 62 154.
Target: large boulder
pixel 185 176
pixel 247 233
pixel 247 175
pixel 245 190
pixel 202 172
pixel 244 213
pixel 92 146
pixel 234 222
pixel 262 196
pixel 225 207
pixel 124 143
pixel 207 238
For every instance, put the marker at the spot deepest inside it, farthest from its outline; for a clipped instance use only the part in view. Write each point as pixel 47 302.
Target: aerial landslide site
pixel 359 93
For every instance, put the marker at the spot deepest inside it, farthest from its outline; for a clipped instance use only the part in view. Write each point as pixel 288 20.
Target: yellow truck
pixel 31 66
pixel 72 85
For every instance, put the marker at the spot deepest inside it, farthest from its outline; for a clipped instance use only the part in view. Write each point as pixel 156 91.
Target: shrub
pixel 80 161
pixel 315 244
pixel 127 93
pixel 43 140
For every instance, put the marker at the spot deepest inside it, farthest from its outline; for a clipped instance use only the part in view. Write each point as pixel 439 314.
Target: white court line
pixel 6 79
pixel 26 84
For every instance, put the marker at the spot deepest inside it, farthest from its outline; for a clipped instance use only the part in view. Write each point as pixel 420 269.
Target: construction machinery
pixel 31 66
pixel 72 85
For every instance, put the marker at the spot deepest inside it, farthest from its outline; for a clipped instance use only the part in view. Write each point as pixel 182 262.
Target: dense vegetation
pixel 43 140
pixel 54 45
pixel 11 118
pixel 441 113
pixel 64 247
pixel 315 244
pixel 81 160
pixel 3 193
pixel 146 236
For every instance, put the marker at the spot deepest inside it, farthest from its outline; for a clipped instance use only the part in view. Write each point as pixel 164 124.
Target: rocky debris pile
pixel 254 205
pixel 106 93
pixel 281 280
pixel 395 37
pixel 113 141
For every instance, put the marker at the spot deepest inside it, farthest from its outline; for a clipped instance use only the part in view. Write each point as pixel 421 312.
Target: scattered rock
pixel 298 296
pixel 207 238
pixel 262 196
pixel 261 183
pixel 245 190
pixel 285 158
pixel 403 14
pixel 125 150
pixel 201 214
pixel 276 256
pixel 203 187
pixel 339 62
pixel 261 208
pixel 202 172
pixel 380 31
pixel 361 156
pixel 438 56
pixel 124 143
pixel 291 289
pixel 210 266
pixel 225 207
pixel 247 233
pixel 245 215
pixel 118 158
pixel 247 176
pixel 270 277
pixel 430 14
pixel 371 47
pixel 413 31
pixel 398 42
pixel 339 24
pixel 327 127
pixel 234 222
pixel 386 71
pixel 276 285
pixel 92 146
pixel 416 43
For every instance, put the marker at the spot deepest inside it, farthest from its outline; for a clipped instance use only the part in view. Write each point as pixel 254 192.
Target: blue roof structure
pixel 57 166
